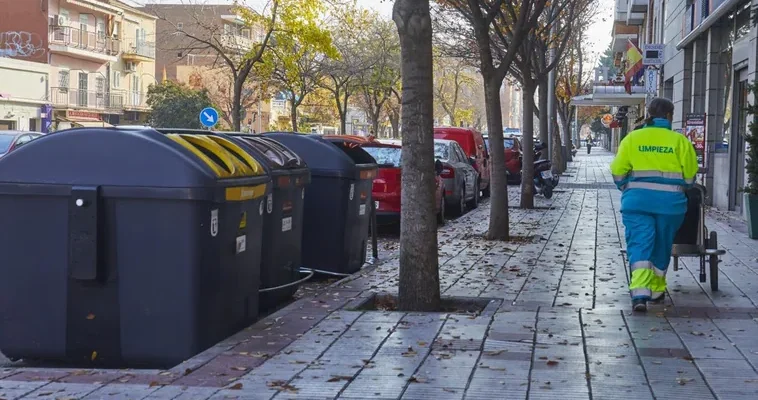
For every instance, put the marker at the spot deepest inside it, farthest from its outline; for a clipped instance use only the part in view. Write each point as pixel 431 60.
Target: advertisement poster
pixel 695 132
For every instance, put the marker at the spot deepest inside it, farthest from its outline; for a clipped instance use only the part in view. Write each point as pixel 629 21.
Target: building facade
pixel 23 95
pixel 99 53
pixel 710 56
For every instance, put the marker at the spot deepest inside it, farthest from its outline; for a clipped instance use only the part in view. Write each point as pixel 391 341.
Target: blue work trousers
pixel 649 238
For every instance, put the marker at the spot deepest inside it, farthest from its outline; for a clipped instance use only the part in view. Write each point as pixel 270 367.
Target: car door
pixel 469 173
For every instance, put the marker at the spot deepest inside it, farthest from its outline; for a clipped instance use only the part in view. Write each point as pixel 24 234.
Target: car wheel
pixel 474 202
pixel 441 214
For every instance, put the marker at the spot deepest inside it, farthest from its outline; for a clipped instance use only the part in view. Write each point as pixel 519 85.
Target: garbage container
pixel 337 202
pixel 283 219
pixel 127 247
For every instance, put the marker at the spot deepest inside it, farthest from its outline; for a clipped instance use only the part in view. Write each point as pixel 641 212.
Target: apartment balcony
pixel 83 44
pixel 135 101
pixel 236 43
pixel 87 99
pixel 139 51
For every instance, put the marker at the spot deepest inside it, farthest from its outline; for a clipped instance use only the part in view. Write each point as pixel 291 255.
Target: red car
pixel 472 143
pixel 512 157
pixel 386 189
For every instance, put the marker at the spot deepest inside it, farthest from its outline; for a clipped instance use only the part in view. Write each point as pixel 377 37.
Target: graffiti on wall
pixel 20 44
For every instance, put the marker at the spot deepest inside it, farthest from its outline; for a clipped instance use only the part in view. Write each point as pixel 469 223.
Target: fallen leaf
pixel 414 379
pixel 552 363
pixel 93 356
pixel 154 384
pixel 239 368
pixel 337 378
pixel 187 371
pixel 696 333
pixel 236 386
pixel 494 353
pixel 90 316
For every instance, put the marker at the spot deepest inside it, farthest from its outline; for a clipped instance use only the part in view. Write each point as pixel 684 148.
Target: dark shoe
pixel 659 299
pixel 639 305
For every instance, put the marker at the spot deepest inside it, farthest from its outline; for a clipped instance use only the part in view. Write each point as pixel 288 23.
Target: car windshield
pixel 441 151
pixel 5 143
pixel 385 155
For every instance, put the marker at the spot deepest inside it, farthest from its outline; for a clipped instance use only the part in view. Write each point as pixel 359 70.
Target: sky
pixel 599 31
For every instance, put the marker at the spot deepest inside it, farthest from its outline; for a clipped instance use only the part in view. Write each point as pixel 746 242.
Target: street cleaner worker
pixel 653 167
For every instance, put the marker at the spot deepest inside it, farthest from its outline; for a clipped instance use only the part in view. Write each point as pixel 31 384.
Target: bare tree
pixel 419 288
pixel 200 33
pixel 451 78
pixel 493 30
pixel 531 68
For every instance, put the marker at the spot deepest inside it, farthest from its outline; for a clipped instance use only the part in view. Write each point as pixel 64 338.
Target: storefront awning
pixel 615 100
pixel 87 122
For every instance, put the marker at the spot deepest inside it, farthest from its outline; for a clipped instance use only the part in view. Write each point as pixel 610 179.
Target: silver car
pixel 458 174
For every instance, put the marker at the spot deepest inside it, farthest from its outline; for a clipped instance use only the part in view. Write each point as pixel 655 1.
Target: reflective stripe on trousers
pixel 647 280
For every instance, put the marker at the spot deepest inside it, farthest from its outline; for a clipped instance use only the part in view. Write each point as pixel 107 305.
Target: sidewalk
pixel 558 325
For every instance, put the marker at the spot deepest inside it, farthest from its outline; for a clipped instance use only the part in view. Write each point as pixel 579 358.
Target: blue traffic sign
pixel 209 117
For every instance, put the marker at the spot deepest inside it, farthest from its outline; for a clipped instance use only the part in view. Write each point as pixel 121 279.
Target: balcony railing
pixel 139 48
pixel 135 99
pixel 90 99
pixel 84 40
pixel 236 42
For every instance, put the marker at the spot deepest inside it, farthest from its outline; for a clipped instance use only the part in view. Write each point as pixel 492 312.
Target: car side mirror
pixel 438 167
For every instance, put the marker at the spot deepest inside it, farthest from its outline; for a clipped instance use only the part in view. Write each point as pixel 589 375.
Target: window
pixel 116 79
pixel 23 140
pixel 100 86
pixel 100 29
pixel 83 86
pixel 459 152
pixel 63 79
pixel 385 155
pixel 441 151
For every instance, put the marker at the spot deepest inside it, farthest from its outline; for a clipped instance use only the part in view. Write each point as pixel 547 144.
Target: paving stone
pixel 62 391
pixel 182 393
pixel 16 389
pixel 120 391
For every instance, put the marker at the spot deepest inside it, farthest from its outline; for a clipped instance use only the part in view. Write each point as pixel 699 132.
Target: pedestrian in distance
pixel 653 168
pixel 589 145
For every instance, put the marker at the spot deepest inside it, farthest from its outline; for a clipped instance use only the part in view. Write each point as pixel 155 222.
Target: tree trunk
pixel 544 117
pixel 395 122
pixel 343 122
pixel 499 228
pixel 293 115
pixel 237 105
pixel 419 286
pixel 557 165
pixel 527 171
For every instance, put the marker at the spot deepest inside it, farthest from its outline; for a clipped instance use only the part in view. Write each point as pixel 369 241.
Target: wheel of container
pixel 713 261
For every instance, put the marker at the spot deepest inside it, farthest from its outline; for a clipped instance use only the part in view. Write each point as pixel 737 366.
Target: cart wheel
pixel 713 261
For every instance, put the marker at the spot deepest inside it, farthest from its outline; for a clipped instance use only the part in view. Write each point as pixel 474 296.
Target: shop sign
pixel 82 114
pixel 694 129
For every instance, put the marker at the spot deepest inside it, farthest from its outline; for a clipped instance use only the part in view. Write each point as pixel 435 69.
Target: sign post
pixel 209 117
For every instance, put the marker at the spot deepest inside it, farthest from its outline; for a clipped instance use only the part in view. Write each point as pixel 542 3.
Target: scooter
pixel 544 180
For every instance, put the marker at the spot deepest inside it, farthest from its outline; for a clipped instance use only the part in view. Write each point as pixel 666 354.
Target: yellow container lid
pixel 225 159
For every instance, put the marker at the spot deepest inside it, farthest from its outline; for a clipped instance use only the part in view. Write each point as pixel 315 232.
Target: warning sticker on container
pixel 362 209
pixel 241 244
pixel 214 223
pixel 352 190
pixel 286 224
pixel 269 203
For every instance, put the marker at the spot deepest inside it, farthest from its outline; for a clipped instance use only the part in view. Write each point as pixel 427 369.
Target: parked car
pixel 473 146
pixel 458 174
pixel 512 157
pixel 386 189
pixel 11 140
